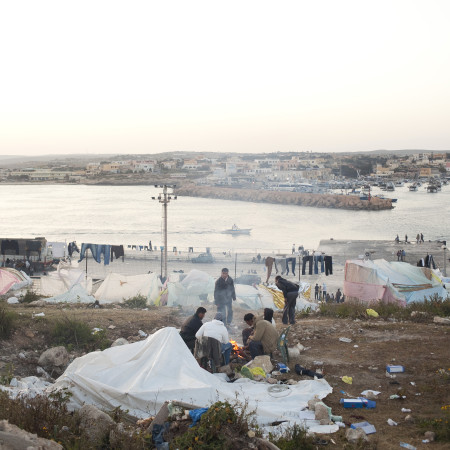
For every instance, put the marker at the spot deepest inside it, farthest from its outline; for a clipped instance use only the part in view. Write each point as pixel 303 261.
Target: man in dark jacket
pixel 290 293
pixel 190 326
pixel 224 294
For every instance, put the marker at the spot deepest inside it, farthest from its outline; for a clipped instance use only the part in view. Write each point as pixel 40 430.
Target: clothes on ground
pixel 264 333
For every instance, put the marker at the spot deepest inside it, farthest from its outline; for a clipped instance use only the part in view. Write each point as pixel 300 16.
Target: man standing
pixel 216 329
pixel 324 291
pixel 290 293
pixel 338 296
pixel 224 294
pixel 190 326
pixel 264 339
pixel 316 292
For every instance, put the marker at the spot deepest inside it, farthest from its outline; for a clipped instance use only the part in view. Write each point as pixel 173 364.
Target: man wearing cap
pixel 224 294
pixel 216 329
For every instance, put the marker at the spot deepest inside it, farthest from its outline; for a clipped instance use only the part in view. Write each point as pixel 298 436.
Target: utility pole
pixel 165 198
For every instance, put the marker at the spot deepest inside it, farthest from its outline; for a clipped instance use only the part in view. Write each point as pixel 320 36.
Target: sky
pixel 235 76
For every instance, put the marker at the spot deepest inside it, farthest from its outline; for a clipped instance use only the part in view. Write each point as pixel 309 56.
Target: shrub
pixel 7 322
pixel 30 296
pixel 137 302
pixel 7 374
pixel 73 333
pixel 294 438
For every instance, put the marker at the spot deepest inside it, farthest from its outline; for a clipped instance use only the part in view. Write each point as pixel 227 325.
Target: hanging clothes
pixel 292 261
pixel 328 265
pixel 10 244
pixel 269 263
pixel 305 260
pixel 117 251
pixel 97 251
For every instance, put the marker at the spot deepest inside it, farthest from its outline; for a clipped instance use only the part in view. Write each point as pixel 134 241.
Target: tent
pixel 192 290
pixel 396 282
pixel 65 277
pixel 140 377
pixel 12 280
pixel 116 287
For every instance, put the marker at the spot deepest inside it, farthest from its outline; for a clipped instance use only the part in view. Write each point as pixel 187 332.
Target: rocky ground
pixel 422 348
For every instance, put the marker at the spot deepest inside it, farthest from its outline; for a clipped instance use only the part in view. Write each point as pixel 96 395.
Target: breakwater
pixel 335 201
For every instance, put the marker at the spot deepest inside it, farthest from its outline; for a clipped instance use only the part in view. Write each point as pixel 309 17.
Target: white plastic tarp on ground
pixel 116 287
pixel 76 294
pixel 192 290
pixel 140 377
pixel 66 276
pixel 12 280
pixel 397 282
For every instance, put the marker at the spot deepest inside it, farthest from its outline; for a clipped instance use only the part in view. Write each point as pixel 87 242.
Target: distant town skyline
pixel 113 77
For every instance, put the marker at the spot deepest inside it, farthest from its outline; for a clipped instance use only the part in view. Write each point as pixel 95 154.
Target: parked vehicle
pixel 206 258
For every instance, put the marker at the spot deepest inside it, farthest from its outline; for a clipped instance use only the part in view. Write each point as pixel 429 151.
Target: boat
pixel 235 230
pixel 432 189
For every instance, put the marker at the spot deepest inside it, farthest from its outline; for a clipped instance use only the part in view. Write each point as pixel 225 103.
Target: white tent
pixel 61 281
pixel 13 280
pixel 191 290
pixel 140 377
pixel 116 287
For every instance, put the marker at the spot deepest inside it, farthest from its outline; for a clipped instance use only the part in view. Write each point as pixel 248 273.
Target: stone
pixel 312 403
pixel 355 435
pixel 95 424
pixel 12 300
pixel 225 369
pixel 12 437
pixel 119 341
pixel 442 320
pixel 29 334
pixel 54 359
pixel 321 414
pixel 38 303
pixel 261 361
pixel 430 435
pixel 111 327
pixel 291 382
pixel 272 380
pixel 409 418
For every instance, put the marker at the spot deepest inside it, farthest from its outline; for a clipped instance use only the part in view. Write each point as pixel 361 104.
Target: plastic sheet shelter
pixel 192 290
pixel 116 287
pixel 76 294
pixel 140 377
pixel 396 282
pixel 12 280
pixel 65 277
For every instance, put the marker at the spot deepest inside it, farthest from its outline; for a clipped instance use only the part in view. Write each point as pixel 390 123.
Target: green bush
pixel 7 374
pixel 294 438
pixel 137 302
pixel 7 322
pixel 73 333
pixel 30 296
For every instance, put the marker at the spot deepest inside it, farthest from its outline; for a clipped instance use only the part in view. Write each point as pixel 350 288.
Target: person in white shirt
pixel 216 329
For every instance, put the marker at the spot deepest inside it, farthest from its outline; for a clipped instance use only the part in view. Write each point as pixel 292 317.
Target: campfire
pixel 238 354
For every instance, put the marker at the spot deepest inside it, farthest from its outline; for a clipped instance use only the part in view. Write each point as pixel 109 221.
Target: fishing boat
pixel 235 230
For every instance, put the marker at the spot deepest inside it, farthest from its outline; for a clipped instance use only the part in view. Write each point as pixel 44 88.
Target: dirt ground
pixel 422 348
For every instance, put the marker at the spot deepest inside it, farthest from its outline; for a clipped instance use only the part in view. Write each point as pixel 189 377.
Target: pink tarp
pixel 7 280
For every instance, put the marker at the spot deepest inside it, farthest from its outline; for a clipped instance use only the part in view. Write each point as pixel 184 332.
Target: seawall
pixel 351 202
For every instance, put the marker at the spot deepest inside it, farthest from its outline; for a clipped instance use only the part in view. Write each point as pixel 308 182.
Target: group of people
pixel 320 293
pixel 419 238
pixel 401 254
pixel 259 338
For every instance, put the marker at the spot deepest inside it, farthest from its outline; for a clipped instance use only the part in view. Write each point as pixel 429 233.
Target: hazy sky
pixel 244 76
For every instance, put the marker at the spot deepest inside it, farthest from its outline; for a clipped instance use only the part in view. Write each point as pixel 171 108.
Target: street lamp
pixel 444 247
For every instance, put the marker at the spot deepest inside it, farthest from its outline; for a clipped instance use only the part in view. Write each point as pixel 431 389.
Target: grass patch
pixel 294 438
pixel 73 333
pixel 137 302
pixel 425 311
pixel 222 426
pixel 7 374
pixel 30 296
pixel 8 320
pixel 439 425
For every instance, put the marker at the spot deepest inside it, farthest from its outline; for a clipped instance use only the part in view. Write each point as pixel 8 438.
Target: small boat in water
pixel 235 230
pixel 432 189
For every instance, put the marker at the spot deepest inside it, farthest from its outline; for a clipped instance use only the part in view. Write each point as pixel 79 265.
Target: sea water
pixel 128 215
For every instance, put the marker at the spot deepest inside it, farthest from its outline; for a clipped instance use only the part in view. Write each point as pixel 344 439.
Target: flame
pixel 235 345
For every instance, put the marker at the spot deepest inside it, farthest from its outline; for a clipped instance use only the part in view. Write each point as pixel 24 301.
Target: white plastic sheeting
pixel 188 291
pixel 116 287
pixel 76 294
pixel 140 377
pixel 66 276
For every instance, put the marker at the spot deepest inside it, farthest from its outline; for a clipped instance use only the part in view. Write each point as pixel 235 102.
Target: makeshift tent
pixel 140 377
pixel 397 282
pixel 116 287
pixel 278 298
pixel 12 280
pixel 249 297
pixel 76 294
pixel 65 277
pixel 192 290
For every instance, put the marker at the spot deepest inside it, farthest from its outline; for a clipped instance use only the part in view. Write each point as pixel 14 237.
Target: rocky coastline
pixel 335 201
